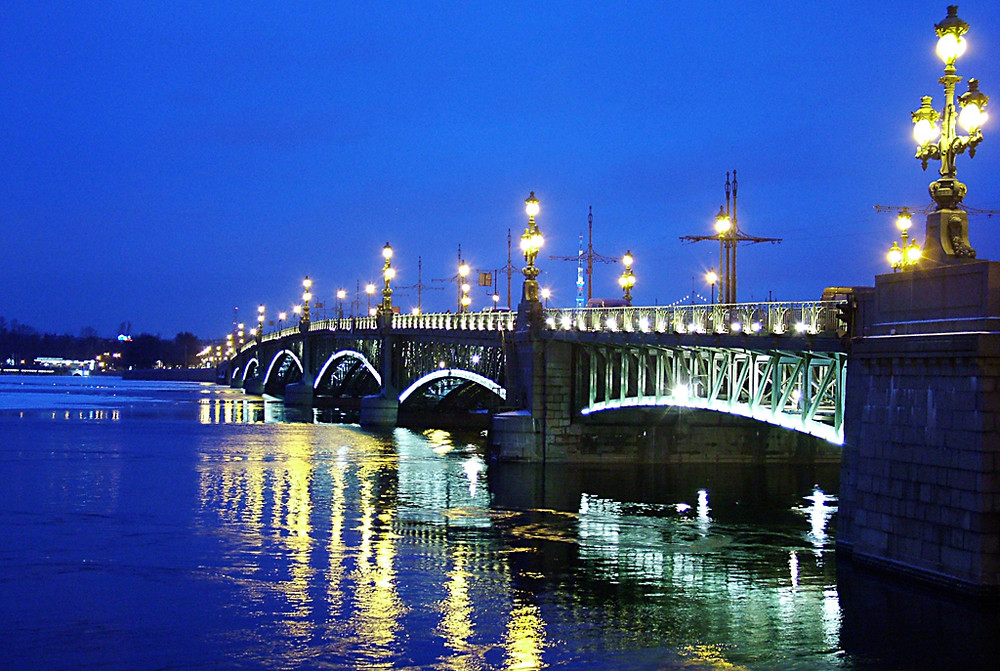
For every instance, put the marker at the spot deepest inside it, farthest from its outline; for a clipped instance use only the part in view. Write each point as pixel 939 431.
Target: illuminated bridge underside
pixel 802 391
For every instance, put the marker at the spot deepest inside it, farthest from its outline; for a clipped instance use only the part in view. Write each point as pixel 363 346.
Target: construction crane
pixel 729 237
pixel 590 255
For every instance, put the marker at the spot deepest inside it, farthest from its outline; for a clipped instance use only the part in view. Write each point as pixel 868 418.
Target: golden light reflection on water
pixel 239 409
pixel 525 638
pixel 377 606
pixel 268 490
pixel 346 537
pixel 456 620
pixel 268 499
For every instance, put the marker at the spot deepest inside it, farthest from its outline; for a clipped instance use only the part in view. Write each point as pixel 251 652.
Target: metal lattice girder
pixel 799 390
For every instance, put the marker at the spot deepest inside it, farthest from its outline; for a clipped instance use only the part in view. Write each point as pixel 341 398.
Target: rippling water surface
pixel 185 526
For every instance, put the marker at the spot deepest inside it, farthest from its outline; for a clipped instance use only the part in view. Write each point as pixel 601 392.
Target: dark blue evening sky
pixel 163 163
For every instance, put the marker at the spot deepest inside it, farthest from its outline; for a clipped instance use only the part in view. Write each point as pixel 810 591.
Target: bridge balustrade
pixel 769 318
pixel 459 321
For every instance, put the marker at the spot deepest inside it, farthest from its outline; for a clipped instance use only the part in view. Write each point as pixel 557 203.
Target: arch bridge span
pixel 779 363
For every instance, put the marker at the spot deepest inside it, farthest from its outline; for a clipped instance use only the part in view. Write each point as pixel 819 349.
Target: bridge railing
pixel 345 324
pixel 499 320
pixel 793 318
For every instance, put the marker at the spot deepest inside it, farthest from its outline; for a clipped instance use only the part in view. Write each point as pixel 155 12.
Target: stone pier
pixel 920 492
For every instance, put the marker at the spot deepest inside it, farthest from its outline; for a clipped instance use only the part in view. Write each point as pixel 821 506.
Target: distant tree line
pixel 20 342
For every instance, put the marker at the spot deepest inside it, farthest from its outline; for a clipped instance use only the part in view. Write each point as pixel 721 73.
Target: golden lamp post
pixel 905 256
pixel 627 279
pixel 370 290
pixel 306 297
pixel 463 274
pixel 711 277
pixel 947 238
pixel 341 295
pixel 388 272
pixel 531 243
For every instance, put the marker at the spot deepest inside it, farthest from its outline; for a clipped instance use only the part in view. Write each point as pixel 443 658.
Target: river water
pixel 186 526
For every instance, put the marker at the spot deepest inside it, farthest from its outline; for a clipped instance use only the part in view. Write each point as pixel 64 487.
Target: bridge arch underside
pixel 347 374
pixel 450 377
pixel 284 369
pixel 249 370
pixel 452 391
pixel 801 391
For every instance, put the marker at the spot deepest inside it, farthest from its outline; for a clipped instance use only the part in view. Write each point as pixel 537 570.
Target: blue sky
pixel 163 163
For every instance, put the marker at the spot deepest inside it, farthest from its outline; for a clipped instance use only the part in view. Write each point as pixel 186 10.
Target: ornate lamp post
pixel 948 226
pixel 627 279
pixel 463 273
pixel 531 243
pixel 306 297
pixel 282 316
pixel 905 256
pixel 370 290
pixel 711 277
pixel 341 295
pixel 260 322
pixel 388 272
pixel 546 294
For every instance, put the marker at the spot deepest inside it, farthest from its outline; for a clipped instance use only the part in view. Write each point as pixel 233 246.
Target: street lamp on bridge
pixel 711 277
pixel 531 243
pixel 388 272
pixel 905 256
pixel 464 300
pixel 341 295
pixel 281 319
pixel 627 279
pixel 947 236
pixel 260 322
pixel 370 290
pixel 546 294
pixel 306 297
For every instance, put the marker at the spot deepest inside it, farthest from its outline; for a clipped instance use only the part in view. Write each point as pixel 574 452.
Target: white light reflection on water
pixel 819 512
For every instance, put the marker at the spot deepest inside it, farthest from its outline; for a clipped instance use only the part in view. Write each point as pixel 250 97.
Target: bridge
pixel 782 363
pixel 904 378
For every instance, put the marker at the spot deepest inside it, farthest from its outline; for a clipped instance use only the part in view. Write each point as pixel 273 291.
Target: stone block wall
pixel 920 486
